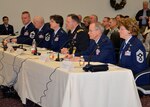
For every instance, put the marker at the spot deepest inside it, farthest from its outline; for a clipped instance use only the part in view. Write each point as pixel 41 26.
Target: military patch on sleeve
pixel 47 37
pixel 140 56
pixel 32 34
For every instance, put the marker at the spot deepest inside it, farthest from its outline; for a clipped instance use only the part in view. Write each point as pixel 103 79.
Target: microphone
pixel 4 42
pixel 67 42
pixel 21 45
pixel 95 68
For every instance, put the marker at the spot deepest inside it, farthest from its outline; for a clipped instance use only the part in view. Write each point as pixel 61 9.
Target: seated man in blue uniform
pixel 42 33
pixel 79 39
pixel 59 36
pixel 101 48
pixel 26 34
pixel 132 51
pixel 5 28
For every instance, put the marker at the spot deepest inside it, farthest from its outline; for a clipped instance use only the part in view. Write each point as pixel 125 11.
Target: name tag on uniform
pixel 26 33
pixel 41 36
pixel 127 53
pixel 56 39
pixel 97 51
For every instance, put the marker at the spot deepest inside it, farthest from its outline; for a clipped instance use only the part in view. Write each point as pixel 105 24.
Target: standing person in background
pixel 59 36
pixel 79 39
pixel 142 16
pixel 132 51
pixel 6 28
pixel 43 33
pixel 27 31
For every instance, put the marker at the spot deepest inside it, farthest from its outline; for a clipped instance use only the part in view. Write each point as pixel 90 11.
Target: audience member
pixel 142 16
pixel 93 18
pixel 119 17
pixel 82 25
pixel 6 28
pixel 26 34
pixel 87 21
pixel 79 39
pixel 59 36
pixel 146 36
pixel 132 52
pixel 106 25
pixel 113 34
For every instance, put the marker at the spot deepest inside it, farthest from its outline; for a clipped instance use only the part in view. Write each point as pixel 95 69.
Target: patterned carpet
pixel 12 100
pixel 145 101
pixel 9 102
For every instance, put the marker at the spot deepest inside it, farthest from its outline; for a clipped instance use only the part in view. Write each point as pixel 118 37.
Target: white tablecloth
pixel 39 82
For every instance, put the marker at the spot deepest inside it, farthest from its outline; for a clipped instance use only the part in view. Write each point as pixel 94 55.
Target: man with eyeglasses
pixel 101 48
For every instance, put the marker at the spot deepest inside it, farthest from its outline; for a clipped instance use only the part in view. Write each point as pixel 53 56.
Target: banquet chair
pixel 144 87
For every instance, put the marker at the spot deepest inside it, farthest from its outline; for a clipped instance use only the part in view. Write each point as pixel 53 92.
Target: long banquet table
pixel 49 85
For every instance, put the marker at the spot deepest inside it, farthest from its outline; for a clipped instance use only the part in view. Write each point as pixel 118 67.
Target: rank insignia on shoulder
pixel 140 56
pixel 62 31
pixel 79 30
pixel 47 37
pixel 32 34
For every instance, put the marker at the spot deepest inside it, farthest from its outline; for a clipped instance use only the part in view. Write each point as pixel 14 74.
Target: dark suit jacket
pixel 6 31
pixel 80 40
pixel 116 41
pixel 140 13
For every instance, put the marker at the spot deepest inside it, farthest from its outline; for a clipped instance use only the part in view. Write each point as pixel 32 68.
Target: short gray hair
pixel 98 26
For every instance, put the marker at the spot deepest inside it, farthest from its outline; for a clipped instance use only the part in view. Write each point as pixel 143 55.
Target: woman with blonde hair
pixel 87 21
pixel 132 51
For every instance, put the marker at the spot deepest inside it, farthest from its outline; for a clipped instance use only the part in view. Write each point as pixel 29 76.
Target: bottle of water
pixel 34 48
pixel 81 61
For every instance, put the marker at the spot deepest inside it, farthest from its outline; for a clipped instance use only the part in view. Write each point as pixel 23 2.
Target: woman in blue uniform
pixel 132 51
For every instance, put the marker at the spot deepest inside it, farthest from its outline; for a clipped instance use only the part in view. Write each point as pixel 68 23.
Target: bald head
pixel 38 22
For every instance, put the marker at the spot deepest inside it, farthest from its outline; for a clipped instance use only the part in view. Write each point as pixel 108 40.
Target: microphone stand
pixel 95 68
pixel 58 56
pixel 88 66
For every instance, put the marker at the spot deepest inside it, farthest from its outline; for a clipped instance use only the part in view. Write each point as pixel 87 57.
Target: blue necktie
pixel 122 49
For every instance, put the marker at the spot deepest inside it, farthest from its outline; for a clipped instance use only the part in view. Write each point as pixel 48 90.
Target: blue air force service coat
pixel 26 35
pixel 58 40
pixel 103 51
pixel 43 37
pixel 133 55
